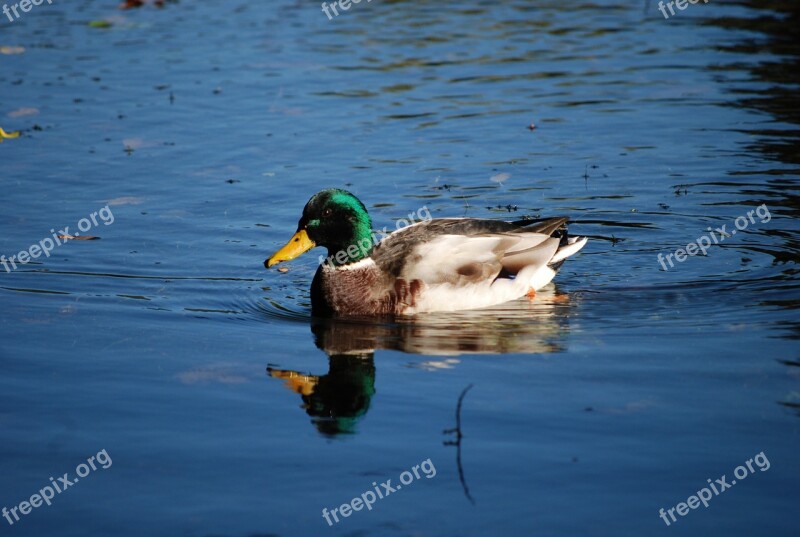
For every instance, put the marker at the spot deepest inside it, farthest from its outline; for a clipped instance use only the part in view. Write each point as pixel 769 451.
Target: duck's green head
pixel 335 219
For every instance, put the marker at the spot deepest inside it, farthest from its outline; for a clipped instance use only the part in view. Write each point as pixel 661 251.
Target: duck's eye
pixel 327 212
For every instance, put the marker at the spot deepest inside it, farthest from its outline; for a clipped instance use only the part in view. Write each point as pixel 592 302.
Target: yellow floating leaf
pixel 4 134
pixel 11 50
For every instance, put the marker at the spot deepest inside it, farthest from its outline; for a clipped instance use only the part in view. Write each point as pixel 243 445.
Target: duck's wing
pixel 464 251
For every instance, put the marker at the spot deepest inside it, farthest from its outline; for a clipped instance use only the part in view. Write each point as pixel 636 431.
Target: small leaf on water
pixel 131 4
pixel 4 134
pixel 126 200
pixel 78 238
pixel 134 143
pixel 11 50
pixel 19 112
pixel 100 24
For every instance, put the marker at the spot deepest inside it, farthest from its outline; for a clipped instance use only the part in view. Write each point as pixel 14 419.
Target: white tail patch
pixel 572 247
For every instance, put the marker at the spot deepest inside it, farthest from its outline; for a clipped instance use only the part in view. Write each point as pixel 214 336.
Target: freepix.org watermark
pixel 718 486
pixel 344 5
pixel 365 245
pixel 46 245
pixel 368 498
pixel 680 4
pixel 57 486
pixel 24 5
pixel 701 245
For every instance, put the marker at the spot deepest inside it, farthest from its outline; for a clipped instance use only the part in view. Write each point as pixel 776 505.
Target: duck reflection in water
pixel 337 400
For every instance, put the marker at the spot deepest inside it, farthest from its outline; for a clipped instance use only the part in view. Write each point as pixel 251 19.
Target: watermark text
pixel 368 498
pixel 718 486
pixel 46 245
pixel 717 235
pixel 57 486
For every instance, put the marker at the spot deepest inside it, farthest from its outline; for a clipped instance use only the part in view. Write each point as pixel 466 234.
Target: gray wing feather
pixel 402 248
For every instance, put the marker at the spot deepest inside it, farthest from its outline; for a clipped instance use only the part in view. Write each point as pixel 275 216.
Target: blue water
pixel 204 127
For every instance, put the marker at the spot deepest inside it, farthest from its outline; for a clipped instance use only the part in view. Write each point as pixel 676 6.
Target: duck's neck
pixel 355 248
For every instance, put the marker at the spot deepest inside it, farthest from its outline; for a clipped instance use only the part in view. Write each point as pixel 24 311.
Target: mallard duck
pixel 441 264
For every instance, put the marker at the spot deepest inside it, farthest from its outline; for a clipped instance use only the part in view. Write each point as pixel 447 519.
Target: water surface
pixel 205 127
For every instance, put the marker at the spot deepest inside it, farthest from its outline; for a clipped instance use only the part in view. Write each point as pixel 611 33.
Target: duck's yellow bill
pixel 297 382
pixel 297 246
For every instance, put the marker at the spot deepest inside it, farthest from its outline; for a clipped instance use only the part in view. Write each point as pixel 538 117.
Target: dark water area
pixel 195 133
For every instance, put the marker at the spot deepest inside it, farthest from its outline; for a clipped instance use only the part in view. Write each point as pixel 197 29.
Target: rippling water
pixel 227 410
